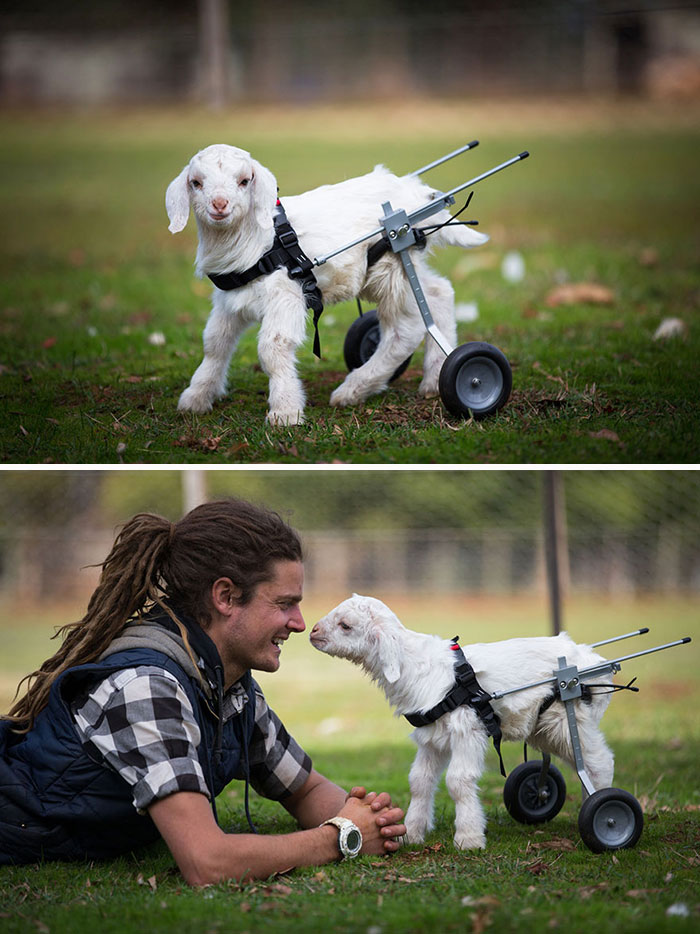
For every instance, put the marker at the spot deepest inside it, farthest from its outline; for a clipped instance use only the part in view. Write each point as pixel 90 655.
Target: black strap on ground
pixel 466 691
pixel 285 252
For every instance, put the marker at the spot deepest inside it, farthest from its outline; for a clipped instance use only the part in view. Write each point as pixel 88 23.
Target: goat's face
pixel 365 631
pixel 222 185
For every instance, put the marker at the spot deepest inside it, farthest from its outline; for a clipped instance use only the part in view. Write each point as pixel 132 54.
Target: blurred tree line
pixel 328 499
pixel 480 531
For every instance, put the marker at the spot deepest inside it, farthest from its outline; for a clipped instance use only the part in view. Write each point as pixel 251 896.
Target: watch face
pixel 353 840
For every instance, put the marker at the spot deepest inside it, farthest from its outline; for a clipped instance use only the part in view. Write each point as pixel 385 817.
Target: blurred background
pixel 127 51
pixel 485 554
pixel 402 531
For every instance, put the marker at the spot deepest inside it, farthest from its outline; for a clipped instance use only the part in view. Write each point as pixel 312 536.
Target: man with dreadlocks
pixel 148 710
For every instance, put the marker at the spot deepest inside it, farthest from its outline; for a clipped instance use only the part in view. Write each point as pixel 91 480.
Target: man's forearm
pixel 205 854
pixel 317 801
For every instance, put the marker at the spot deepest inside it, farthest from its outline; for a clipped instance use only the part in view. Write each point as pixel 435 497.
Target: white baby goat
pixel 233 198
pixel 416 671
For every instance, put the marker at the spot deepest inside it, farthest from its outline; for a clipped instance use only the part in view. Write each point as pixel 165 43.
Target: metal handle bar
pixel 594 670
pixel 627 635
pixel 438 202
pixel 431 165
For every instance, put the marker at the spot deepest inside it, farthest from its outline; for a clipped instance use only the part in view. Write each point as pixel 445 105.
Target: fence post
pixel 554 542
pixel 214 51
pixel 194 489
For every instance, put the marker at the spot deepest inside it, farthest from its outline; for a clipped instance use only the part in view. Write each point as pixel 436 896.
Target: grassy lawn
pixel 528 879
pixel 89 274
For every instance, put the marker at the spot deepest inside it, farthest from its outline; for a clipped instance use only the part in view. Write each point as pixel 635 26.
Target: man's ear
pixel 224 595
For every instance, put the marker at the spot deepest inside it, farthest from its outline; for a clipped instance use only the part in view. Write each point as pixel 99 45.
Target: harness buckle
pixel 287 237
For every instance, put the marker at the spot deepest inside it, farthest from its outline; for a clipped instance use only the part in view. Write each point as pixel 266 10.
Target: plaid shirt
pixel 141 722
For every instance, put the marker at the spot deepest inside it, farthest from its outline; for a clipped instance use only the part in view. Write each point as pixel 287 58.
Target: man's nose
pixel 296 621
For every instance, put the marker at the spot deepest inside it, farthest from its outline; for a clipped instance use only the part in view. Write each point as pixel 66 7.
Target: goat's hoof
pixel 470 841
pixel 285 418
pixel 414 836
pixel 342 397
pixel 428 390
pixel 192 402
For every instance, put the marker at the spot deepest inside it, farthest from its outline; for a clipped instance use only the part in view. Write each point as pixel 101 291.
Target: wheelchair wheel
pixel 475 380
pixel 525 801
pixel 610 819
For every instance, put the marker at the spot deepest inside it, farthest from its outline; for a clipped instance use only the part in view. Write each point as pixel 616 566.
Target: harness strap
pixel 466 691
pixel 285 252
pixel 378 249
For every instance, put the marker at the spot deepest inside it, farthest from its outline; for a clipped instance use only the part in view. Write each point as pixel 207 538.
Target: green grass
pixel 528 879
pixel 89 272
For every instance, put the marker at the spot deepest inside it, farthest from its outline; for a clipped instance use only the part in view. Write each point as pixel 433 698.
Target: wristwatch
pixel 349 836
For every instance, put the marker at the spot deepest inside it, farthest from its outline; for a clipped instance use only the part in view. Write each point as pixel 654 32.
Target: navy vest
pixel 58 799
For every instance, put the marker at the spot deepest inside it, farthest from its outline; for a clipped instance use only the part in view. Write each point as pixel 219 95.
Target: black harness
pixel 284 252
pixel 466 690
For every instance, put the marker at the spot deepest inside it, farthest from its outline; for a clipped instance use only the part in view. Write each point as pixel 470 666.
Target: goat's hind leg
pixel 423 779
pixel 441 301
pixel 401 333
pixel 553 736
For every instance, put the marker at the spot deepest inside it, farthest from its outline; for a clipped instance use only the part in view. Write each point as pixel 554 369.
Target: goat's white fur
pixel 233 199
pixel 416 671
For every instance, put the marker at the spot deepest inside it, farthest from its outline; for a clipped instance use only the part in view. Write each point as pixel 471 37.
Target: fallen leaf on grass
pixel 49 342
pixel 642 893
pixel 606 434
pixel 150 882
pixel 589 890
pixel 557 843
pixel 580 293
pixel 278 889
pixel 538 868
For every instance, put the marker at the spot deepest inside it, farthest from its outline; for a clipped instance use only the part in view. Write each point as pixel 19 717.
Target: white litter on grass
pixel 679 910
pixel 670 327
pixel 513 267
pixel 466 311
pixel 157 339
pixel 329 726
pixel 92 330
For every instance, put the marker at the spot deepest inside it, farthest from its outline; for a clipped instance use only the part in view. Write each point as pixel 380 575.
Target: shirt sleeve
pixel 278 764
pixel 141 722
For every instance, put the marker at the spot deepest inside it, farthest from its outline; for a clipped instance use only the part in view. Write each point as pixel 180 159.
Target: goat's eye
pixel 344 626
pixel 244 182
pixel 195 183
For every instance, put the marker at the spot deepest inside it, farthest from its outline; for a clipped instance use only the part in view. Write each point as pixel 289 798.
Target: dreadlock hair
pixel 153 561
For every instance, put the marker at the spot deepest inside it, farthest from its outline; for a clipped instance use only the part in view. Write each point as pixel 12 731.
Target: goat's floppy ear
pixel 264 195
pixel 390 656
pixel 177 202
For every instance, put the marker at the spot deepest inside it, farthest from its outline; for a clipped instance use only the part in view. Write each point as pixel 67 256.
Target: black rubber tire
pixel 361 342
pixel 610 819
pixel 521 798
pixel 467 364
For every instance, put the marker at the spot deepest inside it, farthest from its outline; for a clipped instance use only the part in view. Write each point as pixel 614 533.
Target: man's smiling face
pixel 251 636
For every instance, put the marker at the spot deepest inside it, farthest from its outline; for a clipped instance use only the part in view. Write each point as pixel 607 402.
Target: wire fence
pixel 476 532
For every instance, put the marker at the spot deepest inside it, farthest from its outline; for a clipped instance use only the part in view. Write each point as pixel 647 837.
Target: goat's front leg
pixel 281 332
pixel 462 780
pixel 423 779
pixel 221 335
